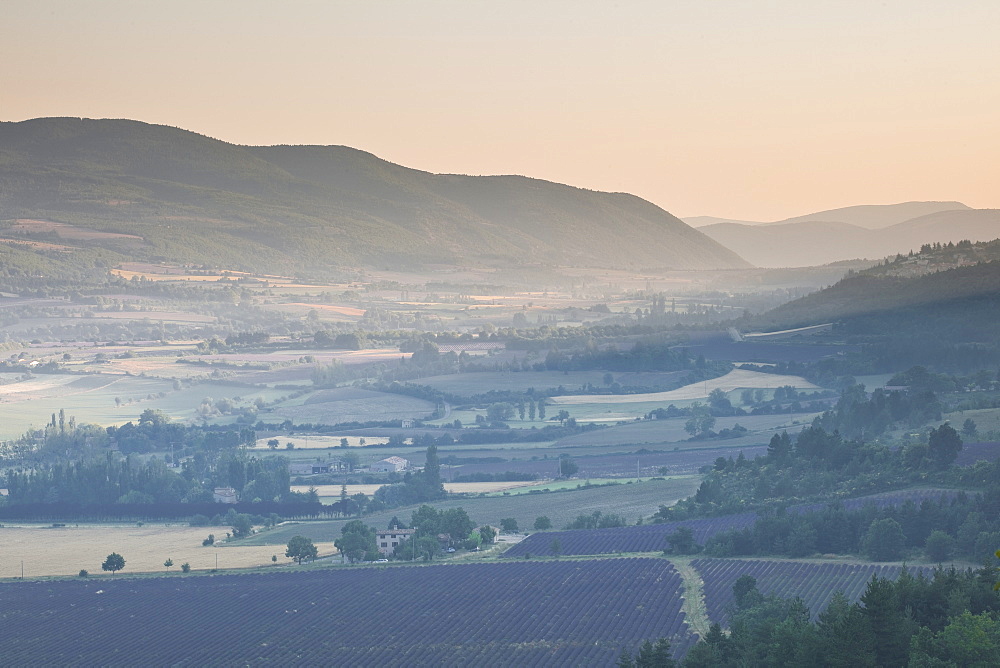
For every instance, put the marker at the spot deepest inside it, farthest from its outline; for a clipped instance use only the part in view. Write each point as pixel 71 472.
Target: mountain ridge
pixel 197 199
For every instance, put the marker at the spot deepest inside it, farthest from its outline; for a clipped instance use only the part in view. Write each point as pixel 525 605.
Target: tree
pixel 242 525
pixel 567 466
pixel 969 427
pixel 168 563
pixel 682 542
pixel 939 546
pixel 301 548
pixel 114 562
pixel 650 656
pixel 556 547
pixel 944 444
pixel 745 591
pixel 357 542
pixel 542 522
pixel 887 621
pixel 508 525
pixel 500 412
pixel 488 534
pixel 186 567
pixel 884 540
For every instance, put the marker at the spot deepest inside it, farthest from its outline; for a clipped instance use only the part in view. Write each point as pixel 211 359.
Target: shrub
pixel 83 573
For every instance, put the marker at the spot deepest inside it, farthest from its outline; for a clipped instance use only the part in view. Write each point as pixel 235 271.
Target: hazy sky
pixel 757 109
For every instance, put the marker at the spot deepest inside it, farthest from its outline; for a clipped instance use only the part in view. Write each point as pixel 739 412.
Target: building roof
pixel 394 460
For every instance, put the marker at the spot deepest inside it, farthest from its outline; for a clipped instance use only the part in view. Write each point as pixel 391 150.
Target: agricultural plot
pixel 974 452
pixel 814 583
pixel 65 550
pixel 467 384
pixel 645 538
pixel 631 500
pixel 508 614
pixel 349 404
pixel 884 499
pixel 737 379
pixel 672 430
pixel 617 465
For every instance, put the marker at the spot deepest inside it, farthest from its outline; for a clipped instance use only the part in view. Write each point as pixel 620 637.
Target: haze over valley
pixel 383 334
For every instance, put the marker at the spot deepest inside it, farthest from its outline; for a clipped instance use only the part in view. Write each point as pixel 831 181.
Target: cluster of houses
pixel 388 465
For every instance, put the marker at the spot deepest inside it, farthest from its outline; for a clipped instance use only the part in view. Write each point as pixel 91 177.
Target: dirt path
pixel 695 612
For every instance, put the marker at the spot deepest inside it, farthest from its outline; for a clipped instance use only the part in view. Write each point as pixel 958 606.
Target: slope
pixel 196 199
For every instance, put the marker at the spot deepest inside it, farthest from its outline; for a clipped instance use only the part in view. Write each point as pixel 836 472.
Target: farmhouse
pixel 388 539
pixel 390 465
pixel 224 495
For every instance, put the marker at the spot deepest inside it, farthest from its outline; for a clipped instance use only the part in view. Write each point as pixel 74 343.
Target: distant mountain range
pixel 151 192
pixel 870 231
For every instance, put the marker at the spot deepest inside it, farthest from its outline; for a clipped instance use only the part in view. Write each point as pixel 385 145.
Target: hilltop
pixel 152 192
pixel 944 298
pixel 854 232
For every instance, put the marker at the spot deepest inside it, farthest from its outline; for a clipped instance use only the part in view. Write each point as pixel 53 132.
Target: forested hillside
pixel 184 197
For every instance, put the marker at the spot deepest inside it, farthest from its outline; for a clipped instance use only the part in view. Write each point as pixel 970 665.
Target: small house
pixel 388 539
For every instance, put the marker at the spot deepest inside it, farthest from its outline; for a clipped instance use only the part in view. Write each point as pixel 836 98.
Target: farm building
pixel 311 468
pixel 388 539
pixel 390 465
pixel 224 495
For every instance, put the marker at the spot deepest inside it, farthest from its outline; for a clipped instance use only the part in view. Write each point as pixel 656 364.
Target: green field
pixel 467 384
pixel 348 404
pixel 632 500
pixel 561 485
pixel 672 430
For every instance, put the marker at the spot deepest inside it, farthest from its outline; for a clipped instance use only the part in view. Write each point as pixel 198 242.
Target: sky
pixel 755 110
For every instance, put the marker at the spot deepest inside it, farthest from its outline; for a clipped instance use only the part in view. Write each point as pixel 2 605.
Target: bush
pixel 84 573
pixel 186 567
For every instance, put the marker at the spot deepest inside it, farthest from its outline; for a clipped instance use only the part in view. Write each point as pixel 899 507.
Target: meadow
pixel 65 550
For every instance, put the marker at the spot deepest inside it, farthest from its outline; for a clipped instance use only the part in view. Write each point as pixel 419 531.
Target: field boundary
pixel 693 604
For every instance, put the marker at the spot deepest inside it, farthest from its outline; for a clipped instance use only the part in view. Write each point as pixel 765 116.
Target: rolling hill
pixel 816 239
pixel 940 307
pixel 193 199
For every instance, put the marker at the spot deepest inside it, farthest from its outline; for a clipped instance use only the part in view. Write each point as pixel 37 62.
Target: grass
pixel 467 384
pixel 350 405
pixel 48 551
pixel 737 379
pixel 630 500
pixel 562 485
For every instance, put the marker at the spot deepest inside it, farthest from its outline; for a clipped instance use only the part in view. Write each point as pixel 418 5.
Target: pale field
pixel 319 442
pixel 65 550
pixel 737 379
pixel 331 491
pixel 91 399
